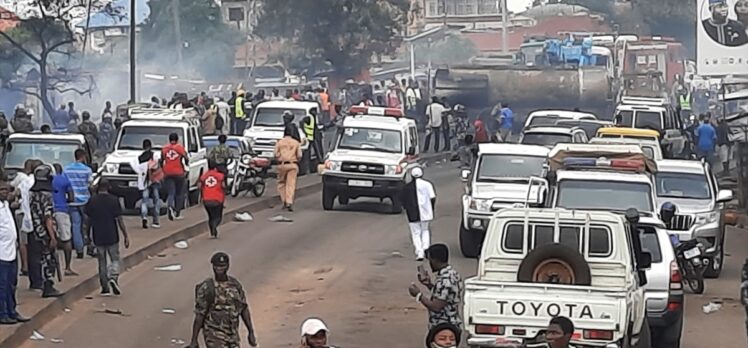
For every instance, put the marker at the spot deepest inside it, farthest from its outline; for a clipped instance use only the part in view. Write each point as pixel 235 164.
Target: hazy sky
pixel 518 5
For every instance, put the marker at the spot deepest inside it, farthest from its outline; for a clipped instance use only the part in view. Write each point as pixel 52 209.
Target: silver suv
pixel 694 190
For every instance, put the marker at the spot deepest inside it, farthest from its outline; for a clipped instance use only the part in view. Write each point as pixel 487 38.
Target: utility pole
pixel 133 24
pixel 444 17
pixel 177 32
pixel 504 26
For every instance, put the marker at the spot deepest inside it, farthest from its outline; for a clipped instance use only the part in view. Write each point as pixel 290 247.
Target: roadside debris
pixel 36 336
pixel 711 307
pixel 243 216
pixel 113 311
pixel 57 340
pixel 182 244
pixel 67 310
pixel 168 311
pixel 396 254
pixel 177 341
pixel 280 218
pixel 169 268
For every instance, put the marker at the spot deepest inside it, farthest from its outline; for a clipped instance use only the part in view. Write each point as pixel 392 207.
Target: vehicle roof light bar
pixel 375 111
pixel 604 163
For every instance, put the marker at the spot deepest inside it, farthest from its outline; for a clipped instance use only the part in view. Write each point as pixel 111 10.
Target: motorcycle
pixel 250 174
pixel 692 261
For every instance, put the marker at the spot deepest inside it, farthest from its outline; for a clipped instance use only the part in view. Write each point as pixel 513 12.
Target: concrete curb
pixel 55 307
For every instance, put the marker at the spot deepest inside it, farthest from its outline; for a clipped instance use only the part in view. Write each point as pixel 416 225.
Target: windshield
pixel 626 118
pixel 648 120
pixel 604 195
pixel 545 139
pixel 589 128
pixel 649 151
pixel 273 117
pixel 50 153
pixel 234 146
pixel 546 120
pixel 497 167
pixel 679 185
pixel 131 138
pixel 371 139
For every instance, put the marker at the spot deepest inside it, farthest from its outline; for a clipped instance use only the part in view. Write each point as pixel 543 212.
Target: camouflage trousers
pixel 214 343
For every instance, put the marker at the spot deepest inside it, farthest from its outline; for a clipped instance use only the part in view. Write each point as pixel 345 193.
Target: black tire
pixel 669 336
pixel 397 205
pixel 645 336
pixel 236 184
pixel 328 199
pixel 304 164
pixel 572 257
pixel 696 285
pixel 130 202
pixel 470 243
pixel 716 263
pixel 259 189
pixel 343 200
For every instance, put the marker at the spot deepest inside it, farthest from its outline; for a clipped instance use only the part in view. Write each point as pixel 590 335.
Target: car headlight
pixel 707 218
pixel 332 165
pixel 246 159
pixel 111 168
pixel 480 204
pixel 395 169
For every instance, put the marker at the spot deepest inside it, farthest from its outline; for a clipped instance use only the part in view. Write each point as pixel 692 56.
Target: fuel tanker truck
pixel 544 72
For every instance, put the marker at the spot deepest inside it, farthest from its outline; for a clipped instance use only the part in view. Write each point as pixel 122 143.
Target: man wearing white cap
pixel 419 200
pixel 314 334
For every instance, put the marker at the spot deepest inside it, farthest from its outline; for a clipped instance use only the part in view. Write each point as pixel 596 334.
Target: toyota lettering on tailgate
pixel 571 310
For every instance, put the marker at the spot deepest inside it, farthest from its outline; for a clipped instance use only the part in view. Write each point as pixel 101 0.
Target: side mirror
pixel 724 196
pixel 642 278
pixel 465 175
pixel 411 151
pixel 645 261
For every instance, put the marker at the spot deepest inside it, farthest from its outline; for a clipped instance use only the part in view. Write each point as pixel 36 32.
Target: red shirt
pixel 211 186
pixel 172 155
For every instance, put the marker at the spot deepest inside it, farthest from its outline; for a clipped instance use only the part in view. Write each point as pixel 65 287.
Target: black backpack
pixel 219 123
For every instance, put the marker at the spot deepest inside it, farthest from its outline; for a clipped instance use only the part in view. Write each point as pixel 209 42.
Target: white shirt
pixel 23 183
pixel 223 108
pixel 425 192
pixel 434 113
pixel 8 234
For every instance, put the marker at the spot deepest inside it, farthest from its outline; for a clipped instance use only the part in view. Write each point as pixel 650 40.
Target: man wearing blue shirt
pixel 507 123
pixel 79 175
pixel 62 194
pixel 706 138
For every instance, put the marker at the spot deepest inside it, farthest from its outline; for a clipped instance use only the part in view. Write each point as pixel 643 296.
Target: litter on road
pixel 712 307
pixel 36 336
pixel 168 268
pixel 57 340
pixel 182 244
pixel 280 218
pixel 168 311
pixel 243 216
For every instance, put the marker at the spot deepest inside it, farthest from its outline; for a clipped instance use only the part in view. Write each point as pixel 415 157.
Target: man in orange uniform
pixel 174 158
pixel 211 186
pixel 288 154
pixel 324 102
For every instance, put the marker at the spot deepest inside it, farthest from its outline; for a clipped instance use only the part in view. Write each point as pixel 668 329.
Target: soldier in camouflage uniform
pixel 221 155
pixel 43 240
pixel 89 129
pixel 219 303
pixel 21 122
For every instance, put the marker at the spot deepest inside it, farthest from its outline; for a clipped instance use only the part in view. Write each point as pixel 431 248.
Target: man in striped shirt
pixel 79 175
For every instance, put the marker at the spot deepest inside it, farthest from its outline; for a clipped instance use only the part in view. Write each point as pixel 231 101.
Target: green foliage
pixel 344 33
pixel 208 44
pixel 674 18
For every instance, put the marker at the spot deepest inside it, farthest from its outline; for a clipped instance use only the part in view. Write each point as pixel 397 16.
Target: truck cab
pixel 155 125
pixel 371 155
pixel 540 263
pixel 499 179
pixel 655 114
pixel 49 148
pixel 266 128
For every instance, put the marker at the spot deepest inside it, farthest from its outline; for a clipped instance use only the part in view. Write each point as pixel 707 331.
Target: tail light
pixel 489 329
pixel 675 277
pixel 599 335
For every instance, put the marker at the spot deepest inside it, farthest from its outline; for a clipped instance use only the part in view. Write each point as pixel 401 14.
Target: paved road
pixel 350 267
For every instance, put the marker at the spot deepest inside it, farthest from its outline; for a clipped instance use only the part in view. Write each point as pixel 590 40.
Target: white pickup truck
pixel 540 263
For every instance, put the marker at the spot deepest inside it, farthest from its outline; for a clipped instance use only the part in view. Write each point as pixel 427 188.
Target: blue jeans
pixel 151 196
pixel 175 188
pixel 8 284
pixel 708 155
pixel 76 218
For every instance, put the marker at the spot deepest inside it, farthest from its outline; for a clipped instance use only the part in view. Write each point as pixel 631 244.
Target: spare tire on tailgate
pixel 554 263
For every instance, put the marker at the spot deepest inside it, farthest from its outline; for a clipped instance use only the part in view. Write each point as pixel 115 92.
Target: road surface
pixel 350 267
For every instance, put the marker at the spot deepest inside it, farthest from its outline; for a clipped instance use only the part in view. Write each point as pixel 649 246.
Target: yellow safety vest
pixel 309 128
pixel 685 102
pixel 239 107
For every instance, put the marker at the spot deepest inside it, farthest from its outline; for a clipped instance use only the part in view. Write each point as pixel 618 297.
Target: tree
pixel 673 18
pixel 44 38
pixel 207 44
pixel 345 34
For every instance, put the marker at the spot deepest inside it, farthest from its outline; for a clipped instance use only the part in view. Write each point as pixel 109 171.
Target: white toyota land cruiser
pixel 540 263
pixel 155 125
pixel 500 178
pixel 370 157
